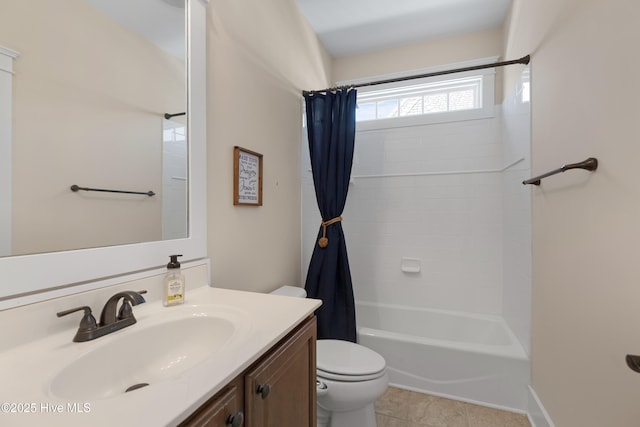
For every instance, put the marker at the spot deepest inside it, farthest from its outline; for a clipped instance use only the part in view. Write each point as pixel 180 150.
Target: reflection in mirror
pixel 38 277
pixel 90 86
pixel 174 180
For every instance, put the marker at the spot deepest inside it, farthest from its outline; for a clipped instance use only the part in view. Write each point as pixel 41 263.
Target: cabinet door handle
pixel 263 390
pixel 235 420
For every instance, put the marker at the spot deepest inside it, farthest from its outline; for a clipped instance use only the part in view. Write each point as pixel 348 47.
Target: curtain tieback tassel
pixel 323 242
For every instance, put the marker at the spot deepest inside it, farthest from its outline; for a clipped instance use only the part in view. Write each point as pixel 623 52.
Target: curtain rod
pixel 524 60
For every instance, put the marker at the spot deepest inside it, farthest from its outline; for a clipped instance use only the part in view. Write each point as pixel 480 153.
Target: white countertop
pixel 27 369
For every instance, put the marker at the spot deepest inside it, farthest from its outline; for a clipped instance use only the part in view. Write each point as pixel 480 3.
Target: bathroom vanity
pixel 279 389
pixel 224 358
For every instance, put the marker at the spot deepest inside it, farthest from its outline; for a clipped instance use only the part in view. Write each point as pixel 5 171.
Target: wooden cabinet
pixel 223 410
pixel 279 390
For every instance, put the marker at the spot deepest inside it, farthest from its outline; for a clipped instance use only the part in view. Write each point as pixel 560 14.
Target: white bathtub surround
pixel 471 357
pixel 516 212
pixel 451 222
pixel 449 195
pixel 440 193
pixel 458 224
pixel 29 364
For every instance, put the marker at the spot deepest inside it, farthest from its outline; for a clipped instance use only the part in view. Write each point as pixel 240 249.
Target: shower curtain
pixel 331 131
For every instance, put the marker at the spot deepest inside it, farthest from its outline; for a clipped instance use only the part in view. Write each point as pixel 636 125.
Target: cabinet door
pixel 280 391
pixel 224 410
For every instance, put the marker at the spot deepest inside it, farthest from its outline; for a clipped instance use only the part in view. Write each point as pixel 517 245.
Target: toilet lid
pixel 347 358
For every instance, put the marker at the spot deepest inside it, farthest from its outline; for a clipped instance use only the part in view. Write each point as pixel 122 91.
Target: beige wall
pixel 89 96
pixel 586 274
pixel 423 55
pixel 260 56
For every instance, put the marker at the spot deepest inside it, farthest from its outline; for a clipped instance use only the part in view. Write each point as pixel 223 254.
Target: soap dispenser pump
pixel 173 283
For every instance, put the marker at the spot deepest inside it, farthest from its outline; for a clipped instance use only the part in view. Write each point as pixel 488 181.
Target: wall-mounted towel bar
pixel 146 193
pixel 168 116
pixel 590 164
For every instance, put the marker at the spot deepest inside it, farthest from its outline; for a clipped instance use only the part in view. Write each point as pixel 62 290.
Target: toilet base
pixel 363 417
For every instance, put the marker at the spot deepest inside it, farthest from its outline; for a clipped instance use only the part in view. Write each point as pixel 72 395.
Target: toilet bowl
pixel 350 378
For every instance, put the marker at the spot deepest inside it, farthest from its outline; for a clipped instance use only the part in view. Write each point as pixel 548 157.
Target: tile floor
pixel 403 408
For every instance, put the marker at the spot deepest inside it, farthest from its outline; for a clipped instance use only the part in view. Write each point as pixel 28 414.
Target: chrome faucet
pixel 110 321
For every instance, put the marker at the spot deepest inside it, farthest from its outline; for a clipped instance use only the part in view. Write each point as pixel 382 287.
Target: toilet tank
pixel 290 291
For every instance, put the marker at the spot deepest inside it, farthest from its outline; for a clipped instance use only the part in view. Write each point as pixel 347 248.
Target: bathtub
pixel 470 357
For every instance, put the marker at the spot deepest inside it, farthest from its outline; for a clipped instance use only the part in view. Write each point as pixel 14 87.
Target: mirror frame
pixel 37 277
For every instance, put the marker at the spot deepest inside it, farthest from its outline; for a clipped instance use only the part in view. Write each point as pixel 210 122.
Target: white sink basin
pixel 185 353
pixel 147 353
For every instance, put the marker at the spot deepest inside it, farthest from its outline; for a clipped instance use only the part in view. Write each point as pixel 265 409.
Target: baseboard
pixel 538 416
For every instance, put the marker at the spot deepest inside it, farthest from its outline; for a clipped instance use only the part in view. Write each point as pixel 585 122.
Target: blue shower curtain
pixel 331 125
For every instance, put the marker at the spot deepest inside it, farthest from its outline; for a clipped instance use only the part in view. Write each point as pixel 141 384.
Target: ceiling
pixel 351 27
pixel 160 21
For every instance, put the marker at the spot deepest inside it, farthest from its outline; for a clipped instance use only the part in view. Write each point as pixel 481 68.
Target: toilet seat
pixel 346 361
pixel 322 375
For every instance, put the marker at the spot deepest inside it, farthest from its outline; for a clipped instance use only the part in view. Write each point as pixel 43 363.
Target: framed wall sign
pixel 247 177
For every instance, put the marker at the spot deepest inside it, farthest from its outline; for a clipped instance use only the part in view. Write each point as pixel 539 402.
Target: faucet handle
pixel 125 309
pixel 87 323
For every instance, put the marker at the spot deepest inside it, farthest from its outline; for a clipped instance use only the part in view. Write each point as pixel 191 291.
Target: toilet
pixel 350 378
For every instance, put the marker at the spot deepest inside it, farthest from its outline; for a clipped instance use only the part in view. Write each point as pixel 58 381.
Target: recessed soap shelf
pixel 410 265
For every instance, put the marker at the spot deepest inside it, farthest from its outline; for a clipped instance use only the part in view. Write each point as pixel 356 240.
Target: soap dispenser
pixel 173 283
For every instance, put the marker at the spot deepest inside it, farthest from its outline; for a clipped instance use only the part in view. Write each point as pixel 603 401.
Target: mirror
pixel 91 84
pixel 35 277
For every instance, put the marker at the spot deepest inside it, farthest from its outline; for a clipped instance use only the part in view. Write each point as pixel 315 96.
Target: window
pixel 447 98
pixel 415 100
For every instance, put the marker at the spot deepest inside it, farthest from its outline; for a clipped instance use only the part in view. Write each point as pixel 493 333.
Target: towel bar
pixel 146 193
pixel 590 164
